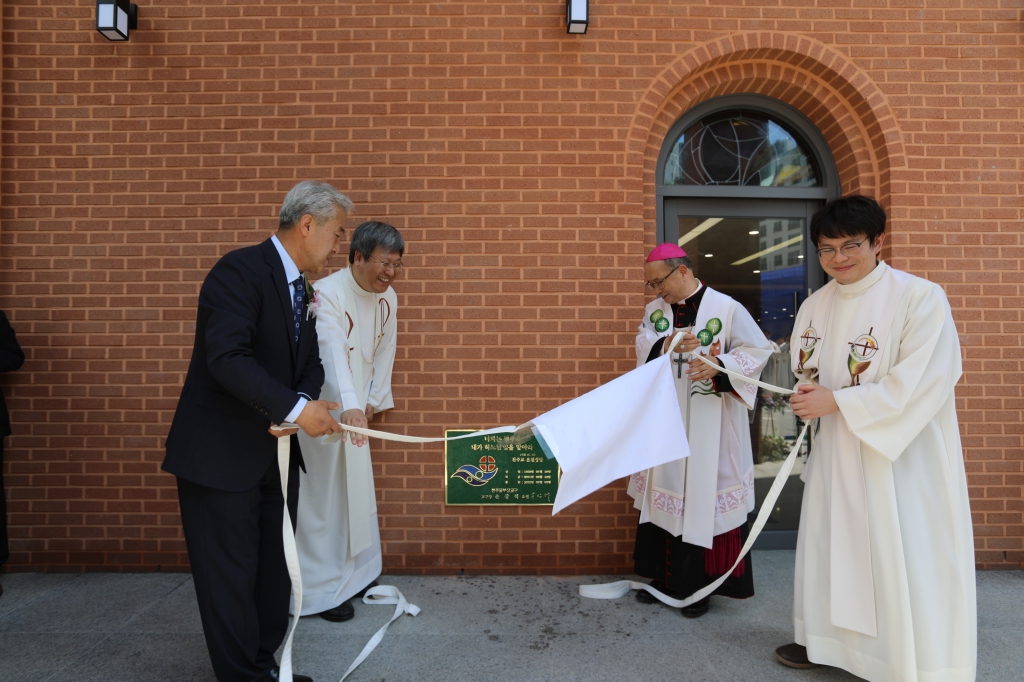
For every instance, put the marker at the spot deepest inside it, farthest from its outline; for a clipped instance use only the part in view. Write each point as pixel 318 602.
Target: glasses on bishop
pixel 828 253
pixel 388 265
pixel 658 283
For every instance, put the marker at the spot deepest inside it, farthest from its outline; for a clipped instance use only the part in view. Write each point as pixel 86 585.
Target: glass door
pixel 757 252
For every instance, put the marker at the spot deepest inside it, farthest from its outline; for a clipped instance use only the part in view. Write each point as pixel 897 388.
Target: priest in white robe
pixel 693 511
pixel 884 584
pixel 337 535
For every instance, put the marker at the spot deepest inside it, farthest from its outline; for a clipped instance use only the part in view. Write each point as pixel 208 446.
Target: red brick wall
pixel 518 162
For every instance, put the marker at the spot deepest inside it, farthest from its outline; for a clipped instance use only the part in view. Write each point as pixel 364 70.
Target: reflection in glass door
pixel 757 253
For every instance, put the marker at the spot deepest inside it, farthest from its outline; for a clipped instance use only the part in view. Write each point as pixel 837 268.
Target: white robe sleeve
pixel 330 328
pixel 890 413
pixel 749 352
pixel 646 337
pixel 380 389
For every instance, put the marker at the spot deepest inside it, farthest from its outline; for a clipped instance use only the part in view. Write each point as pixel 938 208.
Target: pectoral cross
pixel 679 365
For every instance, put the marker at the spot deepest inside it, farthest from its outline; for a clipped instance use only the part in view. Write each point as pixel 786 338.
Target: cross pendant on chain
pixel 679 365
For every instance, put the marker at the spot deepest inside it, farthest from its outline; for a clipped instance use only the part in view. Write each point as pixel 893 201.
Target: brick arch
pixel 836 95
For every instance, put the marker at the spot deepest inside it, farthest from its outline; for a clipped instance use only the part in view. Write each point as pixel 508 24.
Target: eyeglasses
pixel 658 283
pixel 387 265
pixel 829 253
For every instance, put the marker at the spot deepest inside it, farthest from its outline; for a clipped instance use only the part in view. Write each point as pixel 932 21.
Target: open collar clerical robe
pixel 338 539
pixel 712 491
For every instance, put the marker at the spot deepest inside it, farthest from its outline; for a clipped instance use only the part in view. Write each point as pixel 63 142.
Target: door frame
pixel 754 201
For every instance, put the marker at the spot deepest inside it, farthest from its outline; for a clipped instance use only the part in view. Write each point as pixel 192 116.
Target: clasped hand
pixel 813 401
pixel 698 370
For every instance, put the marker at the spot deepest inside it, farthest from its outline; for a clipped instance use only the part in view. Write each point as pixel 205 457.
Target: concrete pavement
pixel 128 627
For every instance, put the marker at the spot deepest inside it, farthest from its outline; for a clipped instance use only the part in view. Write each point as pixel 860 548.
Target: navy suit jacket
pixel 246 372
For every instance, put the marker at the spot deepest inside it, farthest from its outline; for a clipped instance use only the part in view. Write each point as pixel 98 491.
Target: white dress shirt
pixel 291 273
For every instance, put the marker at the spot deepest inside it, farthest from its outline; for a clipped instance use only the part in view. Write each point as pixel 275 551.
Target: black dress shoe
pixel 795 656
pixel 645 597
pixel 295 678
pixel 696 609
pixel 340 613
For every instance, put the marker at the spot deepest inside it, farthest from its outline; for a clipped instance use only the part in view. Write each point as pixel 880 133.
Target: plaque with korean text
pixel 498 470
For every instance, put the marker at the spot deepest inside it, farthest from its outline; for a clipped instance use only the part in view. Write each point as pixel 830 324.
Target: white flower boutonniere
pixel 312 300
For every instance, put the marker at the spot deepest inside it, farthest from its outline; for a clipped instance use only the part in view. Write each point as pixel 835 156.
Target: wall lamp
pixel 115 18
pixel 577 16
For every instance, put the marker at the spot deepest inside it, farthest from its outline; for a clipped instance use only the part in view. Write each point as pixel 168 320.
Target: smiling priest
pixel 884 558
pixel 693 511
pixel 337 536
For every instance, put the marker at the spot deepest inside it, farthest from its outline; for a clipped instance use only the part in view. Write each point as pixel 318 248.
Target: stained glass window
pixel 740 148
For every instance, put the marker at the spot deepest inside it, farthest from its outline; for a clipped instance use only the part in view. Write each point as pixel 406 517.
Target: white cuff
pixel 296 411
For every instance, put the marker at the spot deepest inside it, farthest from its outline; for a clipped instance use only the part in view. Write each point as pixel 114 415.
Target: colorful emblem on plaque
pixel 861 352
pixel 657 315
pixel 662 324
pixel 477 476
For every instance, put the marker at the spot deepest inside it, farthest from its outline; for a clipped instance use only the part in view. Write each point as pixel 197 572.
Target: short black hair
pixel 848 217
pixel 373 234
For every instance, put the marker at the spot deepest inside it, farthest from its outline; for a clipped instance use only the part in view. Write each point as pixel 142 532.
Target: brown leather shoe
pixel 795 656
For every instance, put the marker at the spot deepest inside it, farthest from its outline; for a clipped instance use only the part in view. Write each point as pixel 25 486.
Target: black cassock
pixel 680 567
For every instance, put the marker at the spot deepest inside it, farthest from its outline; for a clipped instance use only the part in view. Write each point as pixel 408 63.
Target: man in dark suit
pixel 11 358
pixel 255 363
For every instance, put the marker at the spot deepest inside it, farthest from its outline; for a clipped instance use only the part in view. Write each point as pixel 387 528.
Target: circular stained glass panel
pixel 740 148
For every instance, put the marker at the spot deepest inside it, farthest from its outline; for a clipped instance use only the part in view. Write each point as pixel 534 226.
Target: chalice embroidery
pixel 808 340
pixel 861 352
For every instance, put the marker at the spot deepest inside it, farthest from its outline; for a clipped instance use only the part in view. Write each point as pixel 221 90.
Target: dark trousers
pixel 5 549
pixel 242 585
pixel 680 566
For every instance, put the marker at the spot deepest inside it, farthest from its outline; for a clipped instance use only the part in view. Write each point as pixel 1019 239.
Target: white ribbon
pixel 386 593
pixel 622 587
pixel 605 591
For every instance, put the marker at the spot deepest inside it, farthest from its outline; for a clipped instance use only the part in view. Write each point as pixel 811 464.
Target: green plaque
pixel 493 470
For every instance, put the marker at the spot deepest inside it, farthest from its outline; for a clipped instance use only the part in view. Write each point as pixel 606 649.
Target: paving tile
pixel 95 602
pixel 469 658
pixel 1000 599
pixel 749 654
pixel 1001 654
pixel 327 657
pixel 142 658
pixel 37 656
pixel 513 628
pixel 175 612
pixel 21 589
pixel 643 655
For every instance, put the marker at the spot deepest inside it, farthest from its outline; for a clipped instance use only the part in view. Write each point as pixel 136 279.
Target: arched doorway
pixel 738 180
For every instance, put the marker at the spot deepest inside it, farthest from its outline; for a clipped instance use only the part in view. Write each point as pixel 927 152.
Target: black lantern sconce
pixel 115 18
pixel 577 16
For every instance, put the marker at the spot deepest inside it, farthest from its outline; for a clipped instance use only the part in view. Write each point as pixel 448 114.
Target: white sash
pixel 691 484
pixel 362 504
pixel 851 581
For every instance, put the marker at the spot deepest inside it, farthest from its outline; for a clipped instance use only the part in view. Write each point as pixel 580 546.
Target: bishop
pixel 693 511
